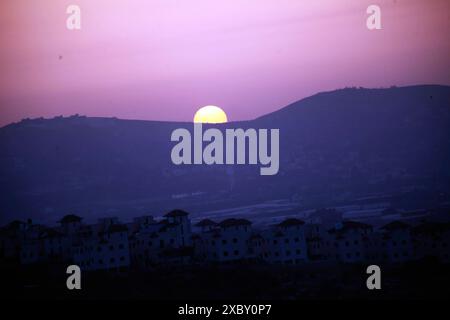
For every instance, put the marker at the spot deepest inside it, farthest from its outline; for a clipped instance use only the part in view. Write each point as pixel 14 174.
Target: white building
pixel 432 239
pixel 396 242
pixel 11 240
pixel 103 246
pixel 349 241
pixel 227 241
pixel 168 241
pixel 318 242
pixel 286 242
pixel 70 224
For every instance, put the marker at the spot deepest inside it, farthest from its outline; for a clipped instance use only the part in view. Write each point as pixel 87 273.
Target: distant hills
pixel 335 147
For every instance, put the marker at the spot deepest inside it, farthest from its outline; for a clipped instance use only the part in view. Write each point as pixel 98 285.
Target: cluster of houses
pixel 147 243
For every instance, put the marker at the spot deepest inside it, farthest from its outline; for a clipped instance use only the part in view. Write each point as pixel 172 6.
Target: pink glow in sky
pixel 164 59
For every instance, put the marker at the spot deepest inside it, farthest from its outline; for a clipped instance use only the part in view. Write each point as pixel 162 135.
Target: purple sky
pixel 164 59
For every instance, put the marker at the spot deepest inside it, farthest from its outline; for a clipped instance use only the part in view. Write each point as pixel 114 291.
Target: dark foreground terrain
pixel 425 279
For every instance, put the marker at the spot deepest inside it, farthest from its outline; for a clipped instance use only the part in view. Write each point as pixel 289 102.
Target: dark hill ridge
pixel 334 146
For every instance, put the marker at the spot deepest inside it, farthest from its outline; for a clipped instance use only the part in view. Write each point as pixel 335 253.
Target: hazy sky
pixel 163 59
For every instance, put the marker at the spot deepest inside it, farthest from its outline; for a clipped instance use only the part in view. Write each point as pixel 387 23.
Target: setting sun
pixel 210 114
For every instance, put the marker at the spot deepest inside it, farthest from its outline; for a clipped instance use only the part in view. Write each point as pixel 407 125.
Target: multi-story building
pixel 44 244
pixel 432 239
pixel 286 242
pixel 396 242
pixel 226 241
pixel 349 241
pixel 103 246
pixel 11 240
pixel 147 243
pixel 168 241
pixel 318 242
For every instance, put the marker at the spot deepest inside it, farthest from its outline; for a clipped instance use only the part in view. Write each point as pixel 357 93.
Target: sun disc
pixel 210 114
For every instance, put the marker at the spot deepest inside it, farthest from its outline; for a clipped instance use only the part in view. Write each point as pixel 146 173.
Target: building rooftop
pixel 176 213
pixel 291 222
pixel 349 225
pixel 70 218
pixel 234 222
pixel 206 223
pixel 395 225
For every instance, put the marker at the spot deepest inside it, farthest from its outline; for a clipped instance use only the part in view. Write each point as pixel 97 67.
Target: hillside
pixel 334 147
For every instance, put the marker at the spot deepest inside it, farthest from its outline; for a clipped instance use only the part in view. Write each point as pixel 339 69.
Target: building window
pixel 236 252
pixel 224 241
pixel 234 240
pixel 225 253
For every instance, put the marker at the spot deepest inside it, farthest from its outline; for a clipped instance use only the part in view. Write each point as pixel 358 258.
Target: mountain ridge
pixel 290 105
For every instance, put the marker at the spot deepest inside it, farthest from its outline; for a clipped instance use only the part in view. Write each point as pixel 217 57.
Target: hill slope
pixel 334 146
